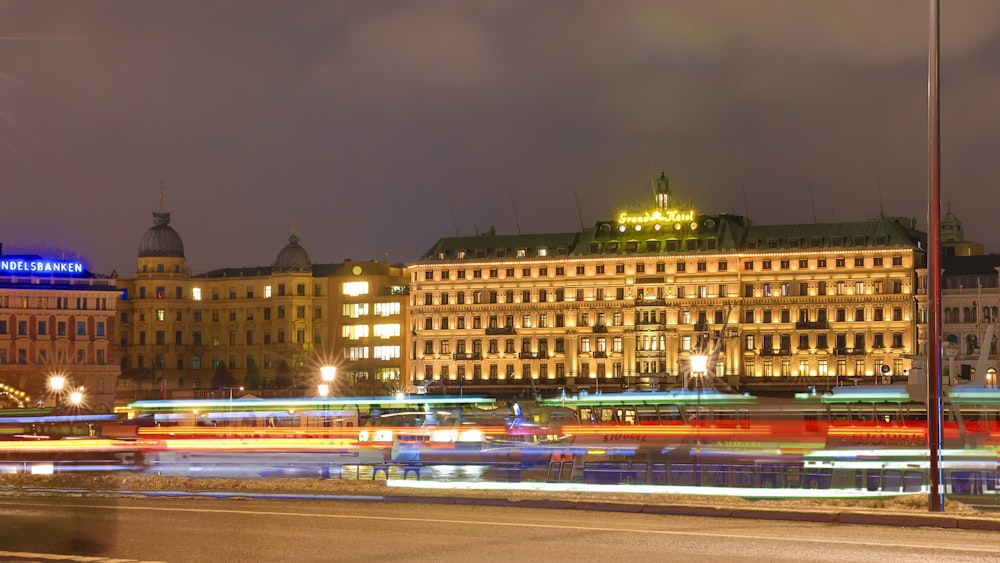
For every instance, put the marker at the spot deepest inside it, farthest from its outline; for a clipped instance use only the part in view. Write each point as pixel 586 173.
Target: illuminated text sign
pixel 666 216
pixel 40 266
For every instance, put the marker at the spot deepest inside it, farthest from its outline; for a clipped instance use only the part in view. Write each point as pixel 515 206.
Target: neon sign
pixel 21 265
pixel 666 216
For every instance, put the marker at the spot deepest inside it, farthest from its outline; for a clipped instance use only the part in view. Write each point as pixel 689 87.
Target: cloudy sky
pixel 379 127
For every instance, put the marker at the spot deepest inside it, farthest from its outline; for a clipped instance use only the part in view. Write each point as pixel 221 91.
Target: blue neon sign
pixel 39 266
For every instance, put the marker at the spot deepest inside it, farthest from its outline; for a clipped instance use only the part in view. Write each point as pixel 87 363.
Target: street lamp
pixel 699 367
pixel 76 397
pixel 327 374
pixel 56 384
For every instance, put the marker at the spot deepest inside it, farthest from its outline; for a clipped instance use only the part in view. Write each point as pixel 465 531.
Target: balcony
pixel 467 356
pixel 856 351
pixel 766 351
pixel 812 325
pixel 600 329
pixel 659 302
pixel 701 327
pixel 600 354
pixel 498 331
pixel 840 351
pixel 785 352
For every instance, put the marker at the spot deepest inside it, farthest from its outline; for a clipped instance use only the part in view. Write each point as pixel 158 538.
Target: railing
pixel 600 354
pixel 500 331
pixel 812 325
pixel 467 356
pixel 600 329
pixel 701 327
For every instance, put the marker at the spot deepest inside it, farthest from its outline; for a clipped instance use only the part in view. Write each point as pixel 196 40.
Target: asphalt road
pixel 34 528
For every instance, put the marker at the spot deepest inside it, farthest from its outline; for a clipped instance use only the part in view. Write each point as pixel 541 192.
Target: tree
pixel 283 375
pixel 222 377
pixel 252 379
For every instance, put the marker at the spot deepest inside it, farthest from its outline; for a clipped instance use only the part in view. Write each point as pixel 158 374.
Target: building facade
pixel 271 327
pixel 56 319
pixel 627 302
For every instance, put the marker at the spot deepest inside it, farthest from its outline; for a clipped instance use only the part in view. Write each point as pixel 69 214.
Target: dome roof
pixel 293 258
pixel 161 239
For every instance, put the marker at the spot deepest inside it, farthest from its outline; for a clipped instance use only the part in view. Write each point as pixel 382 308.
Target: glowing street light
pixel 76 397
pixel 699 367
pixel 327 374
pixel 56 384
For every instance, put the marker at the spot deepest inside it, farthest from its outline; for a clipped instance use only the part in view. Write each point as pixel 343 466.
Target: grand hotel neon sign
pixel 658 216
pixel 20 265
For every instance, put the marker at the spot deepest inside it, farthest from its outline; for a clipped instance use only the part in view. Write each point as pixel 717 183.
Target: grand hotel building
pixel 628 301
pixel 293 316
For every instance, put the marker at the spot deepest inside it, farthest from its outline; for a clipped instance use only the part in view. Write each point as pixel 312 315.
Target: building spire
pixel 161 196
pixel 294 229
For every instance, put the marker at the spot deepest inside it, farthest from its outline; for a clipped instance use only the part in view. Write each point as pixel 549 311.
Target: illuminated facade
pixel 627 302
pixel 56 318
pixel 277 323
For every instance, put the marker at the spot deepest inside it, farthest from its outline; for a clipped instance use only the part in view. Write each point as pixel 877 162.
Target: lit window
pixel 354 332
pixel 355 288
pixel 196 293
pixel 160 314
pixel 386 309
pixel 386 330
pixel 267 292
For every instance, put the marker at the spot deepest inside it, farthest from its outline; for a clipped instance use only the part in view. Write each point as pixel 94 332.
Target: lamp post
pixel 327 374
pixel 699 366
pixel 56 384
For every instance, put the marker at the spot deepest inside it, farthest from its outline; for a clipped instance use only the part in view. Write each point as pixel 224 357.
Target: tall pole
pixel 934 403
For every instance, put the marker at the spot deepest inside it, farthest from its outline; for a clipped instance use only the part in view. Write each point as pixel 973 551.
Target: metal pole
pixel 934 403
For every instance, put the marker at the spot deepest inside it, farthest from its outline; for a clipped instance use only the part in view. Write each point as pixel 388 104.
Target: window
pixel 81 328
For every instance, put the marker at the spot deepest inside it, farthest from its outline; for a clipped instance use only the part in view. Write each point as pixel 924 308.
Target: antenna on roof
pixel 812 202
pixel 517 223
pixel 881 206
pixel 578 212
pixel 453 220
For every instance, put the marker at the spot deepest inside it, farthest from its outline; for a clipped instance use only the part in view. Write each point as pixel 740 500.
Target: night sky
pixel 378 127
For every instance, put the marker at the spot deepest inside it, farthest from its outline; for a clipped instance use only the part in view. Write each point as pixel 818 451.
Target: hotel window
pixel 748 317
pixel 585 344
pixel 81 328
pixel 748 265
pixel 196 293
pixel 897 340
pixel 580 270
pixel 897 313
pixel 785 264
pixel 859 262
pixel 508 346
pixel 445 274
pixel 249 292
pixel 767 290
pixel 600 269
pixel 161 292
pixel 840 263
pixel 803 342
pixel 822 342
pixel 767 316
pixel 232 314
pixel 765 265
pixel 686 342
pixel 681 267
pixel 821 262
pixel 661 267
